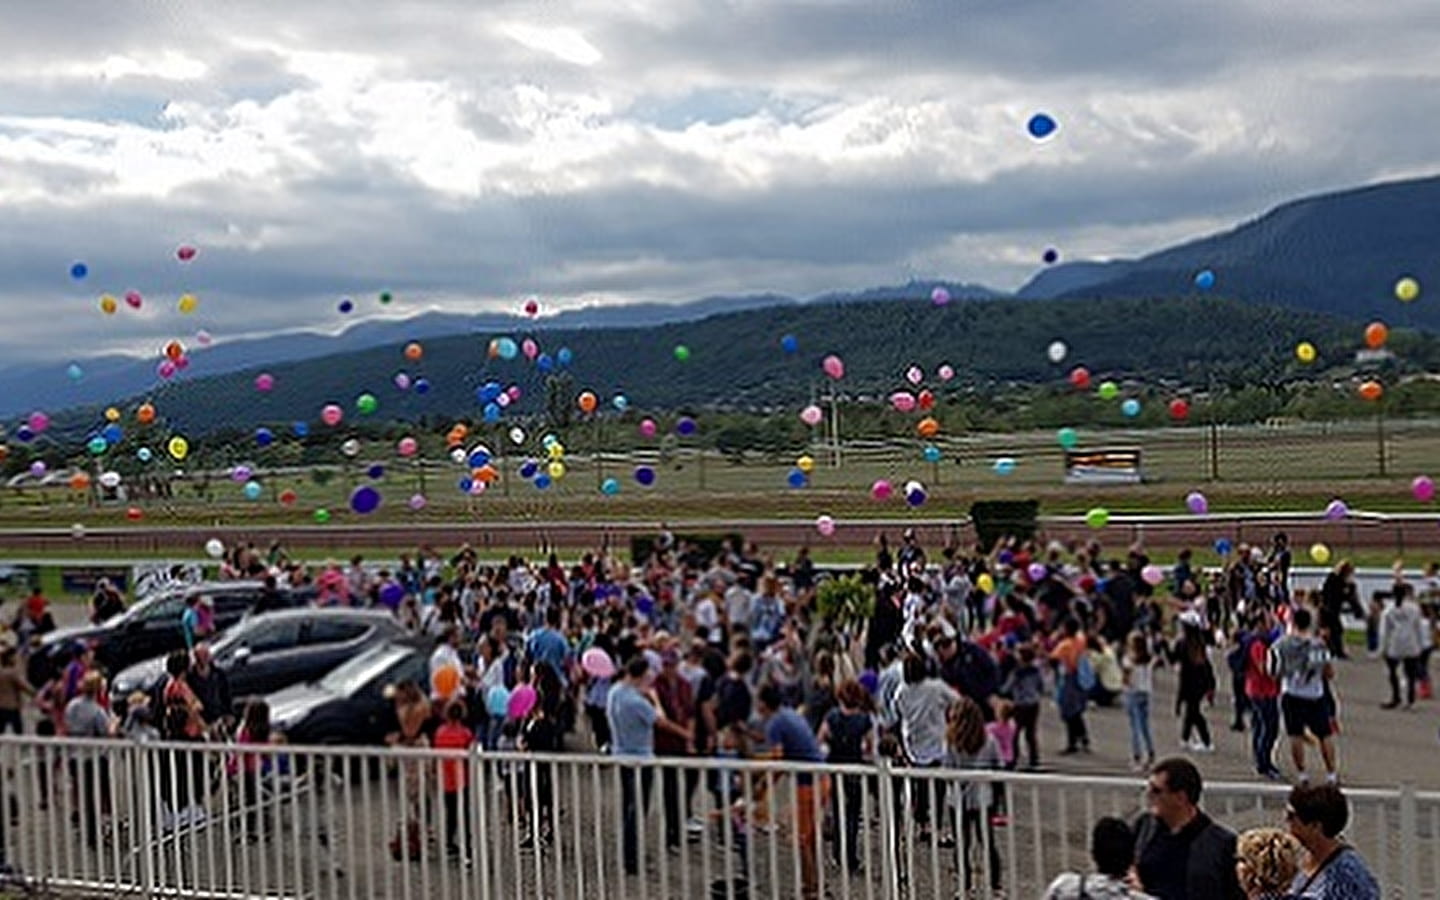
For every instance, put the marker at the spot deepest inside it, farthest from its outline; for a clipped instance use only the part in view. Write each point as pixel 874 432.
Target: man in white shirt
pixel 1302 663
pixel 921 704
pixel 707 616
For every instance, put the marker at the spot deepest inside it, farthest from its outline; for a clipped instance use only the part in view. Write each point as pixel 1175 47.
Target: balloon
pixel 811 415
pixel 1108 390
pixel 214 548
pixel 265 382
pixel 556 469
pixel 1130 408
pixel 187 304
pixel 529 348
pixel 107 304
pixel 1057 351
pixel 145 414
pixel 940 296
pixel 479 455
pixel 1423 487
pixel 946 372
pixel 491 413
pixel 554 448
pixel 241 474
pixel 1197 503
pixel 75 373
pixel 110 480
pixel 1050 256
pixel 915 493
pixel 346 306
pixel 1376 334
pixel 203 338
pixel 927 427
pixel 252 490
pixel 386 297
pixel 517 436
pixel 796 479
pixel 134 299
pixel 166 369
pixel 620 402
pixel 24 435
pixel 38 422
pixel 365 500
pixel 182 363
pixel 288 497
pixel 506 348
pixel 1037 572
pixel 414 352
pixel 402 381
pixel 522 700
pixel 1179 409
pixel 1305 352
pixel 466 484
pixel 931 454
pixel 1098 517
pixel 563 357
pixel 881 490
pixel 144 454
pixel 185 253
pixel 134 513
pixel 178 448
pixel 610 487
pixel 1041 126
pixel 417 502
pixel 1005 465
pixel 1371 390
pixel 112 434
pixel 805 464
pixel 1080 378
pixel 1205 279
pixel 79 270
pixel 497 701
pixel 825 525
pixel 513 392
pixel 445 682
pixel 545 363
pixel 98 445
pixel 1320 553
pixel 914 375
pixel 1152 575
pixel 597 663
pixel 300 429
pixel 587 402
pixel 685 426
pixel 112 414
pixel 174 350
pixel 79 481
pixel 833 366
pixel 682 353
pixel 264 437
pixel 38 469
pixel 790 344
pixel 1336 510
pixel 350 448
pixel 422 386
pixel 1223 546
pixel 331 414
pixel 644 476
pixel 1407 289
pixel 985 582
pixel 904 401
pixel 366 404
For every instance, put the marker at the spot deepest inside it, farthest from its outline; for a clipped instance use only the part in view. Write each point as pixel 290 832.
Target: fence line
pixel 210 821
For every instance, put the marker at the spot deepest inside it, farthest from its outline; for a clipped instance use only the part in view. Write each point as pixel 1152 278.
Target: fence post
pixel 888 832
pixel 144 839
pixel 1409 860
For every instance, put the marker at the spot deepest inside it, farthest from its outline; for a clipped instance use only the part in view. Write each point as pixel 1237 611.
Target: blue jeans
pixel 1264 731
pixel 1137 707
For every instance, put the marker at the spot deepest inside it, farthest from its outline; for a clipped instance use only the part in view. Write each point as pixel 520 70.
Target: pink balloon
pixel 904 401
pixel 185 253
pixel 503 400
pixel 408 446
pixel 402 381
pixel 332 414
pixel 825 525
pixel 513 392
pixel 529 348
pixel 1152 575
pixel 522 700
pixel 418 502
pixel 477 487
pixel 203 338
pixel 811 415
pixel 914 375
pixel 881 490
pixel 946 372
pixel 1423 487
pixel 134 300
pixel 834 366
pixel 166 369
pixel 38 422
pixel 940 296
pixel 647 428
pixel 264 382
pixel 597 663
pixel 182 363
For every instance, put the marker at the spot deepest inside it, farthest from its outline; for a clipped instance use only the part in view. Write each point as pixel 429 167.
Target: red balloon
pixel 1080 378
pixel 288 497
pixel 134 514
pixel 926 399
pixel 1179 409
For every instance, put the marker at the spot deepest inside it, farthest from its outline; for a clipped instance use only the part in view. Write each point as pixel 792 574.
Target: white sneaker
pixel 694 825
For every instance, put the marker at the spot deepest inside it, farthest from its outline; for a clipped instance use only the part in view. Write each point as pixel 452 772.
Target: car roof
pixel 322 613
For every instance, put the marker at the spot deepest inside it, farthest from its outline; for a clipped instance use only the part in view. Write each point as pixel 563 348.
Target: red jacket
pixel 1258 684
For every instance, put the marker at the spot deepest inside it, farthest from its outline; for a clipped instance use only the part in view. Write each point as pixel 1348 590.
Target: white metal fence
pixel 115 818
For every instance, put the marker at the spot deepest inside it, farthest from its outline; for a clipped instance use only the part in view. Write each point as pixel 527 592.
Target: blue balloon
pixel 252 490
pixel 1130 408
pixel 790 344
pixel 610 487
pixel 24 434
pixel 542 481
pixel 644 475
pixel 375 472
pixel 497 701
pixel 492 413
pixel 1004 466
pixel 112 434
pixel 264 437
pixel 621 402
pixel 505 348
pixel 931 454
pixel 686 427
pixel 1223 546
pixel 488 391
pixel 544 363
pixel 79 270
pixel 144 454
pixel 796 478
pixel 528 469
pixel 301 429
pixel 1041 125
pixel 465 484
pixel 915 498
pixel 75 372
pixel 365 500
pixel 346 306
pixel 1205 279
pixel 1051 256
pixel 478 457
pixel 422 386
pixel 563 357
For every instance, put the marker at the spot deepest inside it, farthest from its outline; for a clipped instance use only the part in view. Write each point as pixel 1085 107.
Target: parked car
pixel 349 706
pixel 151 626
pixel 274 650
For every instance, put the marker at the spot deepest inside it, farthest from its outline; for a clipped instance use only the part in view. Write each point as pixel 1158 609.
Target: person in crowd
pixel 634 712
pixel 14 689
pixel 1338 595
pixel 1266 862
pixel 1402 639
pixel 677 702
pixel 849 732
pixel 1197 686
pixel 789 738
pixel 254 731
pixel 1139 668
pixel 1262 694
pixel 1112 851
pixel 106 603
pixel 1302 663
pixel 453 735
pixel 1180 853
pixel 85 717
pixel 211 687
pixel 1072 696
pixel 968 746
pixel 1025 686
pixel 412 715
pixel 1332 870
pixel 921 704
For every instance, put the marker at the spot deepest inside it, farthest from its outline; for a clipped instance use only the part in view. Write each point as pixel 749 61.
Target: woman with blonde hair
pixel 1266 861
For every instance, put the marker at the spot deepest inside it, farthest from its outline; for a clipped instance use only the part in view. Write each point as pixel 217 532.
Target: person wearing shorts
pixel 1302 663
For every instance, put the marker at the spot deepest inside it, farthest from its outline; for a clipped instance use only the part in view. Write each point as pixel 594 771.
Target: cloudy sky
pixel 467 154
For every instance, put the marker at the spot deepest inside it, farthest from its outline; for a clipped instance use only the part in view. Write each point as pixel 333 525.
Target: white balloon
pixel 913 486
pixel 350 448
pixel 1057 351
pixel 110 480
pixel 458 456
pixel 214 548
pixel 77 531
pixel 517 436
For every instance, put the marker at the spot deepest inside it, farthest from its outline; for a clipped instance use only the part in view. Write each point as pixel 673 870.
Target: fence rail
pixel 119 818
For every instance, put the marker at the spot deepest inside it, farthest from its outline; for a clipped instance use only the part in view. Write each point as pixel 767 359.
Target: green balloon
pixel 682 353
pixel 1098 517
pixel 98 445
pixel 322 516
pixel 1109 390
pixel 1067 438
pixel 366 404
pixel 385 297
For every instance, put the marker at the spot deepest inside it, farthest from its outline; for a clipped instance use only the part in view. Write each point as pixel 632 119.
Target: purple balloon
pixel 1336 510
pixel 365 500
pixel 1197 503
pixel 418 502
pixel 685 427
pixel 1006 557
pixel 391 594
pixel 1037 572
pixel 240 474
pixel 402 381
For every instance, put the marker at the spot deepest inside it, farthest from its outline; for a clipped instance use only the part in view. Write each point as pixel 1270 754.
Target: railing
pixel 116 818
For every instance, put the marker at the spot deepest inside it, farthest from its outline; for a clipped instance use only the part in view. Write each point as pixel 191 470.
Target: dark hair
pixel 552 617
pixel 1301 618
pixel 455 712
pixel 257 721
pixel 1322 804
pixel 713 662
pixel 1112 847
pixel 177 663
pixel 1180 775
pixel 769 695
pixel 915 668
pixel 637 666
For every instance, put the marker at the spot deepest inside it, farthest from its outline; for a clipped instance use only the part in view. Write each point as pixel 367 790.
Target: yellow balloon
pixel 1407 289
pixel 108 305
pixel 1320 553
pixel 556 469
pixel 556 450
pixel 985 583
pixel 179 448
pixel 805 464
pixel 187 304
pixel 1305 352
pixel 112 415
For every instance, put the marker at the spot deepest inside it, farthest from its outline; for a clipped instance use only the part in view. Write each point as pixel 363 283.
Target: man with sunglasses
pixel 1180 853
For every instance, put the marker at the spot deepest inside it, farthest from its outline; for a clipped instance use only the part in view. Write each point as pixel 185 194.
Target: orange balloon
pixel 174 350
pixel 414 351
pixel 1376 334
pixel 493 351
pixel 145 414
pixel 927 427
pixel 79 481
pixel 446 681
pixel 1371 390
pixel 587 402
pixel 485 473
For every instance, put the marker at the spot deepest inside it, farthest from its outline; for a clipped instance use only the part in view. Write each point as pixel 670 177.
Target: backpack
pixel 1085 674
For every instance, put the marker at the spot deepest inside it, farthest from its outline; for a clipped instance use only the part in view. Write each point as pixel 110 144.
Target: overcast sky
pixel 468 154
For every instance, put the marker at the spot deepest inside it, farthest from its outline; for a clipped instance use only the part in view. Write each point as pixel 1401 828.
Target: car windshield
pixel 152 606
pixel 361 670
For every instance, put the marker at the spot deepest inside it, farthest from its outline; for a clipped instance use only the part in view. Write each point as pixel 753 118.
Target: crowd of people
pixel 722 651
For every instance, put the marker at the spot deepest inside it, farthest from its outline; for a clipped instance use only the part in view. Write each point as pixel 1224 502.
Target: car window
pixel 169 608
pixel 229 604
pixel 411 668
pixel 283 634
pixel 362 669
pixel 334 631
